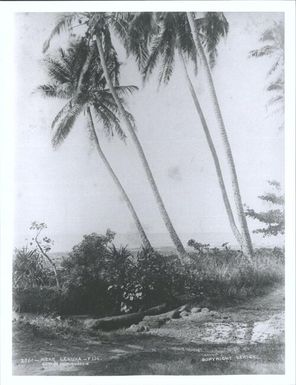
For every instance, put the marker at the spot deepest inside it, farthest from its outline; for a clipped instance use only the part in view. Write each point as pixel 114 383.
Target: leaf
pixel 63 23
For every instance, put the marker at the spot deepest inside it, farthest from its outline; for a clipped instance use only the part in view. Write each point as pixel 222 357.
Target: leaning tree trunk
pixel 144 239
pixel 50 261
pixel 213 152
pixel 176 240
pixel 246 238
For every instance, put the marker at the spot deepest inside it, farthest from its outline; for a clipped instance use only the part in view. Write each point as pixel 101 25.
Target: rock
pixel 213 313
pixel 204 310
pixel 90 323
pixel 185 307
pixel 176 314
pixel 195 310
pixel 138 328
pixel 133 328
pixel 153 321
pixel 170 314
pixel 184 314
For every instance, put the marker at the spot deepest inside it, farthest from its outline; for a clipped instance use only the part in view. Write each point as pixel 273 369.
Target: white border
pixel 7 140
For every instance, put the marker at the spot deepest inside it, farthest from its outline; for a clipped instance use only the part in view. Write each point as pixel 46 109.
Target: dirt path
pixel 244 339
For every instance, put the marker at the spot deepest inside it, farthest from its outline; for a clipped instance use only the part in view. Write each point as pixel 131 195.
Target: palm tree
pixel 205 28
pixel 77 77
pixel 168 36
pixel 99 27
pixel 273 40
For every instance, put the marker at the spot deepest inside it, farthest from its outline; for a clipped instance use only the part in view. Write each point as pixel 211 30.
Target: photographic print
pixel 149 202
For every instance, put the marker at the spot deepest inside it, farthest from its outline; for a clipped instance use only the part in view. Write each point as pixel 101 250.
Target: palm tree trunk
pixel 246 238
pixel 213 152
pixel 144 239
pixel 176 240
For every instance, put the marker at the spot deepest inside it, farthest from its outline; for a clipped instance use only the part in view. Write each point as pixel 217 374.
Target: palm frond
pixel 167 64
pixel 51 91
pixel 105 98
pixel 63 23
pixel 125 90
pixel 120 24
pixel 110 121
pixel 57 69
pixel 277 85
pixel 215 27
pixel 141 27
pixel 263 51
pixel 185 39
pixel 155 53
pixel 276 99
pixel 62 113
pixel 162 45
pixel 63 126
pixel 276 64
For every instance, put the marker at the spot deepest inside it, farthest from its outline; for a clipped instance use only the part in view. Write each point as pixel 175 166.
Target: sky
pixel 70 190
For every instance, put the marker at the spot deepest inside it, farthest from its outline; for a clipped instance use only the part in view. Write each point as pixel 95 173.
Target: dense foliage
pixel 98 278
pixel 29 270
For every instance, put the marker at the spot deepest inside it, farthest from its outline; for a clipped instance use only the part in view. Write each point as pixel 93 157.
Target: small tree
pixel 87 275
pixel 274 219
pixel 44 245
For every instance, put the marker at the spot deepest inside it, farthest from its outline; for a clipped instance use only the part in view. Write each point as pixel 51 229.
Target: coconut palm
pixel 170 38
pixel 205 30
pixel 77 77
pixel 99 27
pixel 273 40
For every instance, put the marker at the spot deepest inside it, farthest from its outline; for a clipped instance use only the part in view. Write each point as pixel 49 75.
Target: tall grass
pixel 227 274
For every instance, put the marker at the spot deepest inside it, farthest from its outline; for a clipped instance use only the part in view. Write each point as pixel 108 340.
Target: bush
pixel 37 300
pixel 86 271
pixel 151 281
pixel 29 270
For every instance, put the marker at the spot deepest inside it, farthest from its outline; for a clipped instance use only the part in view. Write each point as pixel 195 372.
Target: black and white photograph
pixel 150 192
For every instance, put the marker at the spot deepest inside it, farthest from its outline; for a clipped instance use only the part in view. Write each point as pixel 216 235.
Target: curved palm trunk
pixel 246 238
pixel 213 152
pixel 144 239
pixel 176 240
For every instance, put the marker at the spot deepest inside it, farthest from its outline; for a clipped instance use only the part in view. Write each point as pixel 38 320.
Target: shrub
pixel 153 279
pixel 86 270
pixel 29 270
pixel 37 300
pixel 102 279
pixel 143 281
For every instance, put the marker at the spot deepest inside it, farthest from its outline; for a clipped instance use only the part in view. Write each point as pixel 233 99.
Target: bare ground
pixel 243 339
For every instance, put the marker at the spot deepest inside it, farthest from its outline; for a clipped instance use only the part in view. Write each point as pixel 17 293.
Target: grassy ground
pixel 182 347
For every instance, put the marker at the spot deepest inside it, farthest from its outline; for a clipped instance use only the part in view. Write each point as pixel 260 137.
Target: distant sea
pixel 162 241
